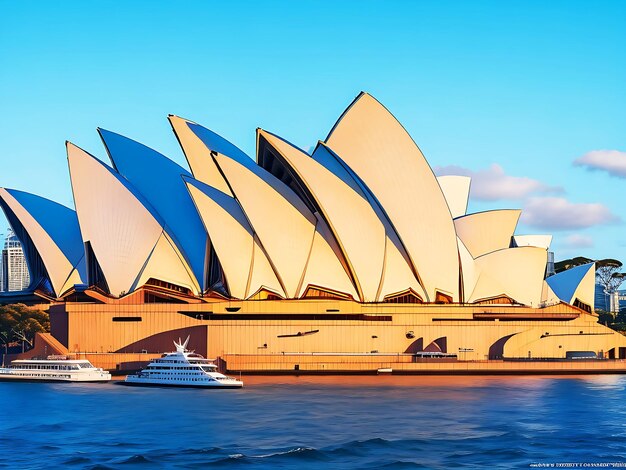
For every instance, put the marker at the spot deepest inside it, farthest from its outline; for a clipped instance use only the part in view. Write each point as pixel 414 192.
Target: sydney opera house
pixel 353 257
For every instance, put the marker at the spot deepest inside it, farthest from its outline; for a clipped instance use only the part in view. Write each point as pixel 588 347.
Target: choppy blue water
pixel 323 422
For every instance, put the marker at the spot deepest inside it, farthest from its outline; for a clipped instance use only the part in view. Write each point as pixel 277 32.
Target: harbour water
pixel 318 422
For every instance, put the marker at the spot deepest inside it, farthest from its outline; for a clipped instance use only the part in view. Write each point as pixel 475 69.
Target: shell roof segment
pixel 369 139
pixel 565 283
pixel 515 272
pixel 542 241
pixel 456 190
pixel 124 232
pixel 58 221
pixel 198 153
pixel 142 166
pixel 217 143
pixel 243 260
pixel 53 230
pixel 352 216
pixel 485 232
pixel 284 224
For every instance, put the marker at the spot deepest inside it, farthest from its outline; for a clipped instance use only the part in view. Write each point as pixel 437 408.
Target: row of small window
pixel 158 372
pixel 171 368
pixel 45 367
pixel 52 376
pixel 203 379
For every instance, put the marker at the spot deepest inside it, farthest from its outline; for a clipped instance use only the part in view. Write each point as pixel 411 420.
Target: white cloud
pixel 557 213
pixel 611 161
pixel 578 240
pixel 493 184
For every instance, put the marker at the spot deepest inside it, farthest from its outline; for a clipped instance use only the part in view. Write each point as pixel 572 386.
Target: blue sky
pixel 513 93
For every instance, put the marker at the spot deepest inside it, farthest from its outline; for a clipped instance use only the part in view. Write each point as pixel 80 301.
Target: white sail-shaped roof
pixel 356 224
pixel 284 225
pixel 358 231
pixel 397 275
pixel 484 232
pixel 245 265
pixel 586 290
pixel 166 263
pixel 198 151
pixel 324 270
pixel 158 179
pixel 542 241
pixel 468 270
pixel 575 283
pixel 456 191
pixel 54 232
pixel 514 272
pixel 378 149
pixel 286 228
pixel 124 233
pixel 548 297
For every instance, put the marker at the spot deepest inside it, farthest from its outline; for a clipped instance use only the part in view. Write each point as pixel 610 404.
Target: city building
pixel 550 271
pixel 14 273
pixel 345 258
pixel 613 303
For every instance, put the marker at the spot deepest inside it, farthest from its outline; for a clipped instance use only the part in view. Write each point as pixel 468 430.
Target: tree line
pixel 19 324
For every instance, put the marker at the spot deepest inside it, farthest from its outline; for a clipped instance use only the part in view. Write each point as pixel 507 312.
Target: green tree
pixel 19 323
pixel 604 317
pixel 609 274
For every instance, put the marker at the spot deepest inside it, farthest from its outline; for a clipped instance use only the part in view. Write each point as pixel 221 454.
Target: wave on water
pixel 306 454
pixel 380 442
pixel 51 427
pixel 371 453
pixel 349 453
pixel 295 427
pixel 135 459
pixel 204 450
pixel 396 465
pixel 78 460
pixel 48 447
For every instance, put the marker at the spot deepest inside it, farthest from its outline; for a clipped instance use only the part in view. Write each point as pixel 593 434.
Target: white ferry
pixel 53 369
pixel 182 368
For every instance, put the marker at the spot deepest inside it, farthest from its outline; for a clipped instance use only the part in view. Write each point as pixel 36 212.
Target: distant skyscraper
pixel 15 275
pixel 610 302
pixel 550 268
pixel 614 302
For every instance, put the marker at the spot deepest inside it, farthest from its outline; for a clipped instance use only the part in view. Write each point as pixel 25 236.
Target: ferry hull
pixel 159 385
pixel 52 380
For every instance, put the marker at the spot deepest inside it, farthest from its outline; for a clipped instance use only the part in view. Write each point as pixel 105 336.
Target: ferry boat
pixel 182 368
pixel 53 369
